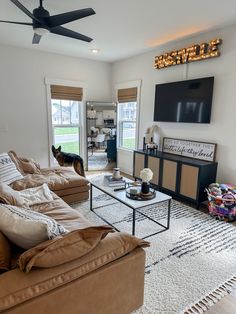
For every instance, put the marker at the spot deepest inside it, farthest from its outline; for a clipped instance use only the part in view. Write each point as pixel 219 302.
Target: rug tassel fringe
pixel 215 296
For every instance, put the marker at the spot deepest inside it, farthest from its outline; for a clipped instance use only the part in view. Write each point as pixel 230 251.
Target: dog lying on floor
pixel 69 160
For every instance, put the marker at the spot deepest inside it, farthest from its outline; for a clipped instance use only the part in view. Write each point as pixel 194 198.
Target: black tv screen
pixel 185 101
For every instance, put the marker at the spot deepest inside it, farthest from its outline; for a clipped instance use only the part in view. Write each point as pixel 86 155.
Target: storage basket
pixel 222 206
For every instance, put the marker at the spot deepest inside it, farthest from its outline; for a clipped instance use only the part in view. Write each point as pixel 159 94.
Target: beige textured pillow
pixel 27 228
pixel 10 196
pixel 38 195
pixel 5 253
pixel 25 166
pixel 62 250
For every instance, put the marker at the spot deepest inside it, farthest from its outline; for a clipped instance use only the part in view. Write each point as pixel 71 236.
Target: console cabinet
pixel 183 177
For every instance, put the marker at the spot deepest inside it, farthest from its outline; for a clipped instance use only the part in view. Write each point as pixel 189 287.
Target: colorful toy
pixel 222 201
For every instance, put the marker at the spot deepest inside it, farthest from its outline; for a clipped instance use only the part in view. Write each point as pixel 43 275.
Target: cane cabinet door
pixel 154 164
pixel 139 164
pixel 189 181
pixel 169 175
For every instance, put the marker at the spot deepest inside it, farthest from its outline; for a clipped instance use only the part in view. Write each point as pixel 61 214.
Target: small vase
pixel 116 174
pixel 145 187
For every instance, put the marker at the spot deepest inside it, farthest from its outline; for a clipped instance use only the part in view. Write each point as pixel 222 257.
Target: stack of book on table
pixel 114 183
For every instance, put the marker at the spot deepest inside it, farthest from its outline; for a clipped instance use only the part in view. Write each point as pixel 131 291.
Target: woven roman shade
pixel 127 94
pixel 66 92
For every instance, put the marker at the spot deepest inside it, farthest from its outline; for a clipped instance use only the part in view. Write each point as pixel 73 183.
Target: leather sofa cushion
pixel 56 178
pixel 5 253
pixel 73 191
pixel 66 216
pixel 75 198
pixel 16 287
pixel 33 180
pixel 73 179
pixel 62 250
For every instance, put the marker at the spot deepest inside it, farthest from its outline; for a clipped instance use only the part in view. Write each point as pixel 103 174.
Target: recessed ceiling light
pixel 95 50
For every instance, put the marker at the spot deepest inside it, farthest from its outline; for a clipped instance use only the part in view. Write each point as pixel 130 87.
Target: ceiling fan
pixel 43 23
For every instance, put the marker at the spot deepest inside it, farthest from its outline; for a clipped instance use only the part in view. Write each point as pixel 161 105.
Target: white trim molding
pixel 125 156
pixel 52 81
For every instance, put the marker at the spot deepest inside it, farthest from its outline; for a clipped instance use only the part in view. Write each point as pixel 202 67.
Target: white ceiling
pixel 120 28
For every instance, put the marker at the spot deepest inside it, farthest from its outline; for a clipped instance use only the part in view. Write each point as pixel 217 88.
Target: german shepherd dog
pixel 69 160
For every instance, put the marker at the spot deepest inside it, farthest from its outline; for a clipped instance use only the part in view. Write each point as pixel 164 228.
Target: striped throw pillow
pixel 8 171
pixel 27 228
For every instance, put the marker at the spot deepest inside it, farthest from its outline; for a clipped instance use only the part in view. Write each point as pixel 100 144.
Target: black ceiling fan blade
pixel 60 19
pixel 36 39
pixel 18 23
pixel 26 11
pixel 69 33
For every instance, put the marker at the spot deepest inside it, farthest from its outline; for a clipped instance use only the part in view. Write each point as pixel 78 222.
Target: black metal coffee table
pixel 100 183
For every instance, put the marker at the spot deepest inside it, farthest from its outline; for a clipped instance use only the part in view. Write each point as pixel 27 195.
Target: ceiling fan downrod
pixel 40 3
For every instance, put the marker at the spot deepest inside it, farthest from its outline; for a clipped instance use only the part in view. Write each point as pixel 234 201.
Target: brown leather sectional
pixel 107 280
pixel 64 181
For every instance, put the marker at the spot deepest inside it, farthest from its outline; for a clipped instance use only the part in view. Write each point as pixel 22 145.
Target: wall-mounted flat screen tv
pixel 185 101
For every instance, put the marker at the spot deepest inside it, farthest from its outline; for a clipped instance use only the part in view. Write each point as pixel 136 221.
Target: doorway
pixel 101 135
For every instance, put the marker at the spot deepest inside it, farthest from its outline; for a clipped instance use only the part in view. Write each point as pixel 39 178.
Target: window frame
pixel 82 121
pixel 121 128
pixel 124 85
pixel 66 125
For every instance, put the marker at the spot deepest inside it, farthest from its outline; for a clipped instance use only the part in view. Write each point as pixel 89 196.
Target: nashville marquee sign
pixel 194 53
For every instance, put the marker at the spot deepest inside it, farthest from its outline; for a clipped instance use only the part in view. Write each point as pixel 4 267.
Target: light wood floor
pixel 225 306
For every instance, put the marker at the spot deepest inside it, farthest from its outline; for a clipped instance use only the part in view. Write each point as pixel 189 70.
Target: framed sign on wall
pixel 193 149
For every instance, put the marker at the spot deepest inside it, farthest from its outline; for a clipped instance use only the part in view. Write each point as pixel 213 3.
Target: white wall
pixel 23 114
pixel 222 129
pixel 125 160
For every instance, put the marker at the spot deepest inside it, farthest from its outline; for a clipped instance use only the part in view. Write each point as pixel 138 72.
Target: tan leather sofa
pixel 64 181
pixel 107 280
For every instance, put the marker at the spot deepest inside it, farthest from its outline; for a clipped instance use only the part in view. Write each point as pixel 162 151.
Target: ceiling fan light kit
pixel 43 23
pixel 41 31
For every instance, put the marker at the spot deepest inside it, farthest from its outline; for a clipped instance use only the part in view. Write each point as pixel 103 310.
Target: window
pixel 127 113
pixel 127 117
pixel 65 124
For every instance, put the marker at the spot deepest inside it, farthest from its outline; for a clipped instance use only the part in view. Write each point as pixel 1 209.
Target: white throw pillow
pixel 27 228
pixel 8 171
pixel 38 195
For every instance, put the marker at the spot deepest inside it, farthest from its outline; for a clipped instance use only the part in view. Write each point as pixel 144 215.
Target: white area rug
pixel 188 267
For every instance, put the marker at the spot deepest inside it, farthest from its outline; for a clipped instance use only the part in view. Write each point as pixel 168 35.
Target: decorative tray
pixel 140 196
